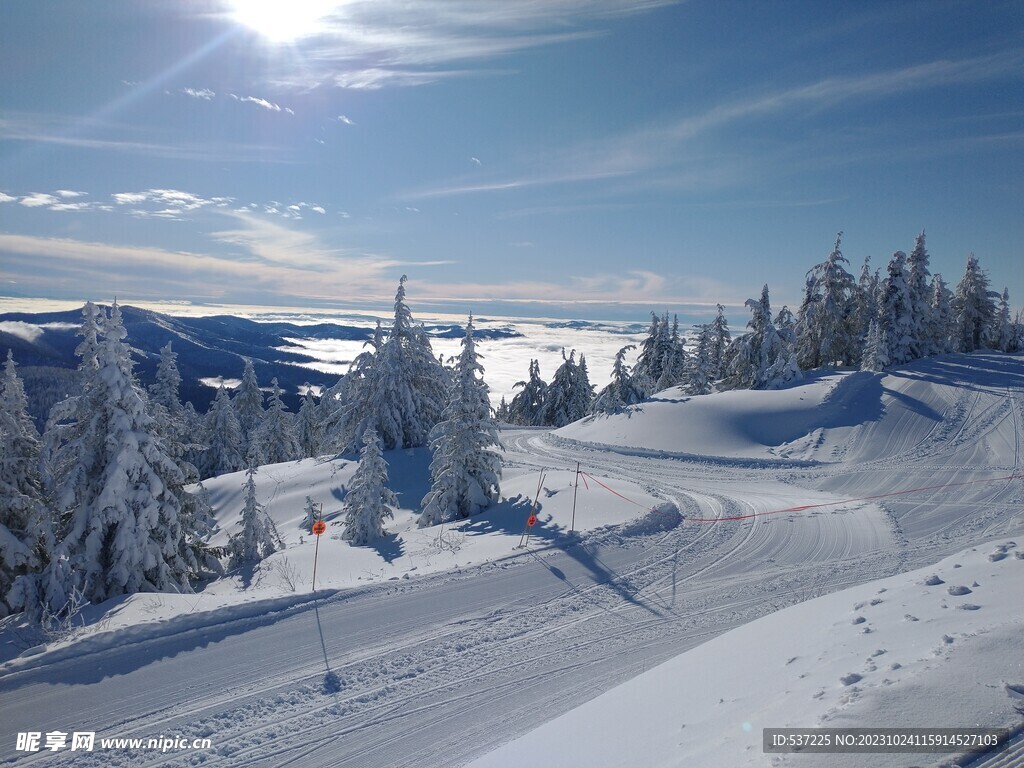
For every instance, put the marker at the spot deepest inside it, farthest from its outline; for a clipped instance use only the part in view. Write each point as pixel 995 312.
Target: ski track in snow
pixel 442 668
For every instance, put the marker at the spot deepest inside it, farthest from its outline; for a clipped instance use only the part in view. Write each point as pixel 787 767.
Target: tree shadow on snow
pixel 389 547
pixel 509 517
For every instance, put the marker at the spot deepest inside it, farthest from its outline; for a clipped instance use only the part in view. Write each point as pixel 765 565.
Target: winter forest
pixel 109 500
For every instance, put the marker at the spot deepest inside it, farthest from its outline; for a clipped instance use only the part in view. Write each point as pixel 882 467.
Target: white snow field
pixel 443 647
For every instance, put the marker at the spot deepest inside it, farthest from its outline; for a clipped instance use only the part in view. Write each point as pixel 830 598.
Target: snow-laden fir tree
pixel 973 309
pixel 369 500
pixel 26 539
pixel 700 375
pixel 1002 328
pixel 223 438
pixel 825 330
pixel 621 392
pixel 895 317
pixel 875 356
pixel 312 512
pixel 918 284
pixel 785 319
pixel 248 404
pixel 527 407
pixel 501 413
pixel 466 469
pixel 721 338
pixel 399 388
pixel 941 331
pixel 675 362
pixel 258 537
pixel 662 359
pixel 865 302
pixel 765 358
pixel 308 432
pixel 568 396
pixel 115 485
pixel 276 435
pixel 173 422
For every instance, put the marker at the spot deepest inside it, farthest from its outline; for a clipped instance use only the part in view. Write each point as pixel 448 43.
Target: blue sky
pixel 563 158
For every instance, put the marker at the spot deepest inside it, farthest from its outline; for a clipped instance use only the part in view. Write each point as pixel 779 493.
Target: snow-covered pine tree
pixel 308 433
pixel 655 350
pixel 527 407
pixel 621 392
pixel 875 356
pixel 116 487
pixel 765 358
pixel 312 514
pixel 465 470
pixel 173 423
pixel 248 404
pixel 26 539
pixel 258 537
pixel 973 309
pixel 583 392
pixel 700 373
pixel 1002 327
pixel 824 331
pixel 568 395
pixel 865 303
pixel 918 285
pixel 165 390
pixel 198 524
pixel 785 319
pixel 941 331
pixel 401 393
pixel 895 320
pixel 720 340
pixel 368 501
pixel 337 414
pixel 276 435
pixel 674 361
pixel 223 436
pixel 501 414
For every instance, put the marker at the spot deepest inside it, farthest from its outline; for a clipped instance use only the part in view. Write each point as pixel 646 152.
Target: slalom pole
pixel 318 528
pixel 575 490
pixel 532 519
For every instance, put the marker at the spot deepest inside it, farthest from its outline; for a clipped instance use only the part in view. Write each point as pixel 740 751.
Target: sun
pixel 281 21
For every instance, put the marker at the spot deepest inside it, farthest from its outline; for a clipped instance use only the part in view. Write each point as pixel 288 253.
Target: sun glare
pixel 281 21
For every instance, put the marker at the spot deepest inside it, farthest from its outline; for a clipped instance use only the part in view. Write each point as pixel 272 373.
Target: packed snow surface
pixel 438 646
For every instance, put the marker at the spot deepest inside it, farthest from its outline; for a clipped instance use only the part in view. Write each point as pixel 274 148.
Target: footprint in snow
pixel 960 590
pixel 933 581
pixel 969 607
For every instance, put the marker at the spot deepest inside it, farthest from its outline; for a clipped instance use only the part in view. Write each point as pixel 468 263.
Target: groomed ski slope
pixel 447 646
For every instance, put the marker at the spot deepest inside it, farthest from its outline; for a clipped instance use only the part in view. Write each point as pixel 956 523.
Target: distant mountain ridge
pixel 207 347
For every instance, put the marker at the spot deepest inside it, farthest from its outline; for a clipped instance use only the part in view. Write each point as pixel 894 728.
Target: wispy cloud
pixel 66 193
pixel 267 105
pixel 68 131
pixel 166 203
pixel 204 94
pixel 666 151
pixel 359 44
pixel 7 198
pixel 346 120
pixel 264 261
pixel 38 200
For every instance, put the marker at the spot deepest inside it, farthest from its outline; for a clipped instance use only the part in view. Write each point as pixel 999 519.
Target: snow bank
pixel 910 650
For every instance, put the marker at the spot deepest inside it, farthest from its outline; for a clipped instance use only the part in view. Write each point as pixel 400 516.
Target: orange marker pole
pixel 318 528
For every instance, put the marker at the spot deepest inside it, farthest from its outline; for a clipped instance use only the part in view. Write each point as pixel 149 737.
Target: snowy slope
pixel 869 476
pixel 904 650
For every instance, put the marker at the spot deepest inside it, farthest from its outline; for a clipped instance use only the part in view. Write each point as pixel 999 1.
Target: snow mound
pixel 663 517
